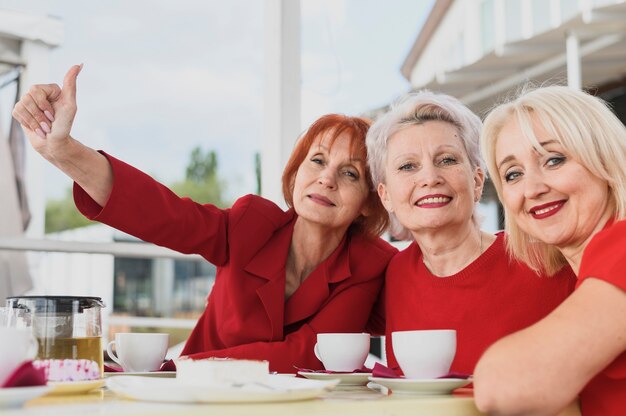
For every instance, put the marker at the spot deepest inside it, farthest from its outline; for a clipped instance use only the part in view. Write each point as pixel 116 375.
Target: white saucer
pixel 17 396
pixel 73 387
pixel 421 387
pixel 274 389
pixel 166 374
pixel 345 379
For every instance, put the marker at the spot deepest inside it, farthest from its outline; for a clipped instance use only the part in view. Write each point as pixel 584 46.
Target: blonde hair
pixel 586 128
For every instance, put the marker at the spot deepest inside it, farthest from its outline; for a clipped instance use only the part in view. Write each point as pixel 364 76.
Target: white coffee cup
pixel 342 351
pixel 138 352
pixel 424 354
pixel 17 346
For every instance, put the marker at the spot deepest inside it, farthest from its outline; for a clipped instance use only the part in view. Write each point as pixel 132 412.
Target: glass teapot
pixel 66 327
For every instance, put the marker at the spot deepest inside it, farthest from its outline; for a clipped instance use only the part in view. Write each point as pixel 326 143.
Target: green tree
pixel 201 183
pixel 257 171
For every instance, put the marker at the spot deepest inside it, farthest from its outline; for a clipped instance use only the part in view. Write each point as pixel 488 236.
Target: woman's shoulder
pixel 605 255
pixel 613 234
pixel 607 242
pixel 369 256
pixel 256 205
pixel 372 245
pixel 252 215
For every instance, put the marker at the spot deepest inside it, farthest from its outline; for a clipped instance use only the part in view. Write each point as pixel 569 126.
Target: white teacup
pixel 424 354
pixel 138 352
pixel 342 351
pixel 17 346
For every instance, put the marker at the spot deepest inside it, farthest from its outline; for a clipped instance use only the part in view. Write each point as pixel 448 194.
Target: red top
pixel 247 315
pixel 605 258
pixel 490 298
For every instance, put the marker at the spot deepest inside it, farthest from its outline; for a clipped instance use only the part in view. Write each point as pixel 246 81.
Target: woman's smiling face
pixel 429 181
pixel 549 194
pixel 330 188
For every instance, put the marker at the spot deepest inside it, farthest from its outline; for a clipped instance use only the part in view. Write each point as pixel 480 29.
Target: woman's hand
pixel 46 114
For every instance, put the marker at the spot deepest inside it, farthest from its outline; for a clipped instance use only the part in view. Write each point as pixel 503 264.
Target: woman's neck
pixel 573 253
pixel 310 245
pixel 447 253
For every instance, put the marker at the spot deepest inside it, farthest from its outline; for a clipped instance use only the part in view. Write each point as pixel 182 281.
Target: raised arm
pixel 541 369
pixel 46 114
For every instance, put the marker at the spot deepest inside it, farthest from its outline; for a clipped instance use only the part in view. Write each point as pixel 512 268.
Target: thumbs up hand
pixel 47 112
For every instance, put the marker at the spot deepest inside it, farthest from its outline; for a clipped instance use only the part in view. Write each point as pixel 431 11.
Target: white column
pixel 574 76
pixel 281 121
pixel 163 286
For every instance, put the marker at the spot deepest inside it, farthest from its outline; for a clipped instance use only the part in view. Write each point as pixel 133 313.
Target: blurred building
pixel 483 50
pixel 138 291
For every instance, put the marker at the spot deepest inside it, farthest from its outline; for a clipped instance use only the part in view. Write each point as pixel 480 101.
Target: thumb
pixel 69 82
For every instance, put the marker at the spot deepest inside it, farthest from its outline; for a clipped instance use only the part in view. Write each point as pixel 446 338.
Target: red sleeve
pixel 605 256
pixel 146 209
pixel 296 349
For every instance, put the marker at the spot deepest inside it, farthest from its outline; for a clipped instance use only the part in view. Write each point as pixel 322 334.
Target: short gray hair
pixel 414 109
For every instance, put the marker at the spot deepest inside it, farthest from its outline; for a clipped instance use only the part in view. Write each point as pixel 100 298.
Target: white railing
pixel 117 249
pixel 122 249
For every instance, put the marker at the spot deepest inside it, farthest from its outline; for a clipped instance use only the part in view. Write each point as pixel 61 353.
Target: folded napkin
pixel 166 366
pixel 360 370
pixel 26 375
pixel 382 371
pixel 112 369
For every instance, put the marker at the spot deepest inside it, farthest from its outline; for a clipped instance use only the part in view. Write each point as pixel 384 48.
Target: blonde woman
pixel 557 158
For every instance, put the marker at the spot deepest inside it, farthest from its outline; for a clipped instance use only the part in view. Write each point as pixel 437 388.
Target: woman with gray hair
pixel 424 157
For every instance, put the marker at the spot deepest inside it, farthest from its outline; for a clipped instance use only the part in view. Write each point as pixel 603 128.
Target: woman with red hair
pixel 282 277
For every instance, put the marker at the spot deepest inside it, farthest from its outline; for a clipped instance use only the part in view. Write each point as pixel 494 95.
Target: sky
pixel 161 77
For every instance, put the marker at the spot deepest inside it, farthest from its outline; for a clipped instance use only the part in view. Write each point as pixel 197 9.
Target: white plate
pixel 166 374
pixel 73 387
pixel 345 379
pixel 274 389
pixel 17 396
pixel 425 387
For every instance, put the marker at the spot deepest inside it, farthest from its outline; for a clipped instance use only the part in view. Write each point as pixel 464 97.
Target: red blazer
pixel 247 315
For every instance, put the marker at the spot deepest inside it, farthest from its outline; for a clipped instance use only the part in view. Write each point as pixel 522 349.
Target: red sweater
pixel 490 298
pixel 605 258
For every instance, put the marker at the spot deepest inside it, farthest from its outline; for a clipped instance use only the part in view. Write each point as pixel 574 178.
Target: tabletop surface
pixel 342 400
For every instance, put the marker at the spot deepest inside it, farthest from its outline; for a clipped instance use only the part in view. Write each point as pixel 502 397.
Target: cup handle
pixel 316 351
pixel 33 349
pixel 112 355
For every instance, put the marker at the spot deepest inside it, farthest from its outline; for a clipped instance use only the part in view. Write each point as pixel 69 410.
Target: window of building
pixel 161 287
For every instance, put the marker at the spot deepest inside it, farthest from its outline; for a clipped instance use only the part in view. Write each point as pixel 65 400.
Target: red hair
pixel 334 125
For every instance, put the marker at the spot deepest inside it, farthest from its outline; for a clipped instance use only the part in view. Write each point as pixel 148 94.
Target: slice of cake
pixel 221 371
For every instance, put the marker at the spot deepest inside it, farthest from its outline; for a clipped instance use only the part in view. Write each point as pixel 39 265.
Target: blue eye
pixel 448 161
pixel 317 160
pixel 407 166
pixel 555 161
pixel 351 174
pixel 511 176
